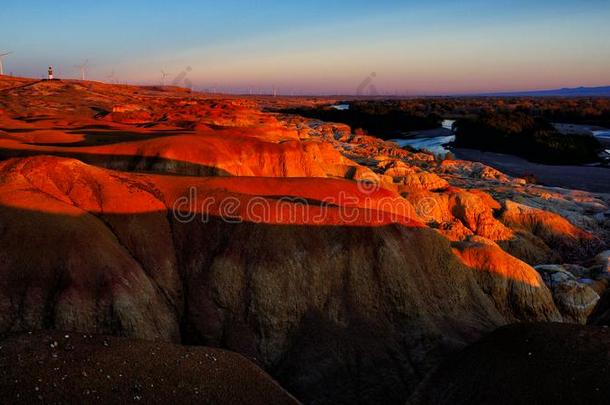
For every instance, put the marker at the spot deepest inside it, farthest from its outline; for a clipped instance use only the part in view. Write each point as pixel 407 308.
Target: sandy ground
pixel 594 179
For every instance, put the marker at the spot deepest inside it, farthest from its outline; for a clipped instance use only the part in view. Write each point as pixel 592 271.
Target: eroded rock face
pixel 107 258
pixel 601 314
pixel 551 228
pixel 68 269
pixel 516 288
pixel 361 284
pixel 475 213
pixel 573 296
pixel 421 181
pixel 575 301
pixel 475 170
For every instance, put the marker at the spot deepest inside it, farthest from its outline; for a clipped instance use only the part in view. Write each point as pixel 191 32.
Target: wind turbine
pixel 164 74
pixel 83 69
pixel 112 77
pixel 2 55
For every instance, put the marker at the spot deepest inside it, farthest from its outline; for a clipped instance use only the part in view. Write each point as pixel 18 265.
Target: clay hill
pixel 73 368
pixel 345 267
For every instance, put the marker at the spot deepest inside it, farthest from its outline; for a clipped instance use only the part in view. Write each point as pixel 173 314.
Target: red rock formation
pixel 554 230
pixel 105 258
pixel 516 288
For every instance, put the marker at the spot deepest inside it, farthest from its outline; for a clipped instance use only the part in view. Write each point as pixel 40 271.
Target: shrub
pixel 532 138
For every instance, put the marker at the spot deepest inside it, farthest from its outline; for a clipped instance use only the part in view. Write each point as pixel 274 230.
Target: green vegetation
pixel 533 138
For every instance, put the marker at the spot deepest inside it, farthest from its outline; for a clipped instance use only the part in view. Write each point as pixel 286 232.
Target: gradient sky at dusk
pixel 321 47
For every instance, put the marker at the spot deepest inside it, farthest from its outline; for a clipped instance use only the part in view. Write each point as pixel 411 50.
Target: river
pixel 603 134
pixel 433 141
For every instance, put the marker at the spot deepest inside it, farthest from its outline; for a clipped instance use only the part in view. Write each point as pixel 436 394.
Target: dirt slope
pixel 75 368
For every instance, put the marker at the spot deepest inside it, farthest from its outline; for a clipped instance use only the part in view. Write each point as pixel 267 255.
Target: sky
pixel 403 47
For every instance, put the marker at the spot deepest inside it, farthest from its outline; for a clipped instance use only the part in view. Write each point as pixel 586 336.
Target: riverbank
pixel 431 140
pixel 587 178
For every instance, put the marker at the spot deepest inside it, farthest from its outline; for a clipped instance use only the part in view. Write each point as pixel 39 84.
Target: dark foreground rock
pixel 542 363
pixel 71 368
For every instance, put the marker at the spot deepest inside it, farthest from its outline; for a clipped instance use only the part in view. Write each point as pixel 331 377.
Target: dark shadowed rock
pixel 75 368
pixel 525 364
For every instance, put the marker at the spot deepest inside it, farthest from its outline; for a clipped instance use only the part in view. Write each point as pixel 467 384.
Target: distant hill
pixel 565 92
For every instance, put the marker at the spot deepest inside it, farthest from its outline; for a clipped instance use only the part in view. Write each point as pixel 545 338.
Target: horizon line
pixel 379 94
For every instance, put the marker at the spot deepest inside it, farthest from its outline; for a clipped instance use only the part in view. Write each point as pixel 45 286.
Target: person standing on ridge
pixel 50 72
